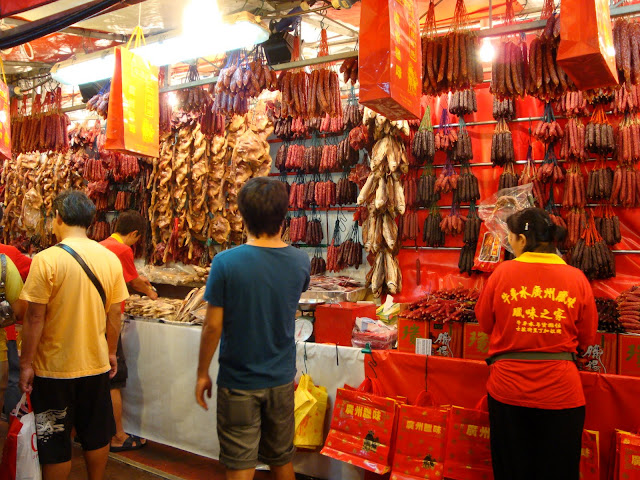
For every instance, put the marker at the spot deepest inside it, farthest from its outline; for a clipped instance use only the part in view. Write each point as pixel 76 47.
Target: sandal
pixel 130 444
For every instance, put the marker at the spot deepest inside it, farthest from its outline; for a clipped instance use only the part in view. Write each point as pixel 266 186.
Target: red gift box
pixel 334 322
pixel 408 331
pixel 476 342
pixel 629 354
pixel 602 356
pixel 447 339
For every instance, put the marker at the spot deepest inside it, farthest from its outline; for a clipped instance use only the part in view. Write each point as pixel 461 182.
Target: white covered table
pixel 159 401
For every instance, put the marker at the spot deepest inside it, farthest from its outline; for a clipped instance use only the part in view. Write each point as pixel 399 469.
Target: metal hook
pixel 306 371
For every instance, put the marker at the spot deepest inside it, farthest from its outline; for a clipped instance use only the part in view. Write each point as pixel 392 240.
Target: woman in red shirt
pixel 539 312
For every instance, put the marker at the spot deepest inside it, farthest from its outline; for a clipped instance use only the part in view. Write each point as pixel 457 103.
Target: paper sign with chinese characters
pixel 629 354
pixel 390 58
pixel 602 356
pixel 133 117
pixel 476 343
pixel 408 331
pixel 447 339
pixel 5 121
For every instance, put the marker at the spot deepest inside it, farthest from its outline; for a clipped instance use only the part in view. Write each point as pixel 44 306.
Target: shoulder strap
pixel 3 280
pixel 87 270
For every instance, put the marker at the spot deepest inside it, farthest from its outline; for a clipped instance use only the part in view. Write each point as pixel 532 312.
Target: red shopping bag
pixel 590 456
pixel 586 51
pixel 20 452
pixel 390 58
pixel 134 111
pixel 362 428
pixel 627 464
pixel 420 441
pixel 468 448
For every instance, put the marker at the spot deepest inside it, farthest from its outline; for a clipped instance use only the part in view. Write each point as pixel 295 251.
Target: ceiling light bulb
pixel 487 52
pixel 173 99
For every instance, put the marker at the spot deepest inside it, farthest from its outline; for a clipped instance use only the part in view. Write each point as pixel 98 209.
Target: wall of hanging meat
pixel 524 124
pixel 188 193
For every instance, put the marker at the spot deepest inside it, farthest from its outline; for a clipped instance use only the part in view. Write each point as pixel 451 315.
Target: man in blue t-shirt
pixel 253 292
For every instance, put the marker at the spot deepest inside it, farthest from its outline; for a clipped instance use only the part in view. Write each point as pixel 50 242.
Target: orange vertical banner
pixel 5 121
pixel 390 58
pixel 133 118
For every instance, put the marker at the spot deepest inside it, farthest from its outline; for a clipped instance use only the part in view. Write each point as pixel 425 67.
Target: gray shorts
pixel 256 426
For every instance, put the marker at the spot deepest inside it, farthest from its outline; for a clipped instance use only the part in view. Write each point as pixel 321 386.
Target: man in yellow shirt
pixel 66 358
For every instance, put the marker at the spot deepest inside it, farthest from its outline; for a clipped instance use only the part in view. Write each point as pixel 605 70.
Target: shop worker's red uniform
pixel 537 303
pixel 23 264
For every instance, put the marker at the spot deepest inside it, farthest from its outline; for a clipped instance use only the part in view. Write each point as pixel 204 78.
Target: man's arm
pixel 114 322
pixel 19 308
pixel 142 285
pixel 31 333
pixel 209 340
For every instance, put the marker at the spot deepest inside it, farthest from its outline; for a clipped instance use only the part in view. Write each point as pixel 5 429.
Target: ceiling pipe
pixel 53 23
pixel 77 31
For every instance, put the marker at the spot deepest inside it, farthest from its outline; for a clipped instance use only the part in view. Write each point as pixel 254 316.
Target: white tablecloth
pixel 159 402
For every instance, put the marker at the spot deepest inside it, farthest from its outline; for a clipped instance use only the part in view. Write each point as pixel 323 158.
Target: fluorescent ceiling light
pixel 243 30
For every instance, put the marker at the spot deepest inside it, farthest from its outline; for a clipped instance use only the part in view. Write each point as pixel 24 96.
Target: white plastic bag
pixel 495 210
pixel 21 448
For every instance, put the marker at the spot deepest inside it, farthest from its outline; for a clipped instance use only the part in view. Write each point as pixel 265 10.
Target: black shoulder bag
pixel 86 269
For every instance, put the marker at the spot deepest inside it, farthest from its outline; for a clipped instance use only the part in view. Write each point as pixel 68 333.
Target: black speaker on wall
pixel 88 90
pixel 278 48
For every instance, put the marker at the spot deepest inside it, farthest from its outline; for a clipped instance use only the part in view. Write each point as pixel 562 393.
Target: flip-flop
pixel 131 443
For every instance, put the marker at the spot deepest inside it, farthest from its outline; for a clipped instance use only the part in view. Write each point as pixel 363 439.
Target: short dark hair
pixel 263 204
pixel 129 222
pixel 75 208
pixel 536 225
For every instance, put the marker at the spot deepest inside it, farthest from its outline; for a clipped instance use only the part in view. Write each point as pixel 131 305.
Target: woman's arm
pixel 484 308
pixel 587 322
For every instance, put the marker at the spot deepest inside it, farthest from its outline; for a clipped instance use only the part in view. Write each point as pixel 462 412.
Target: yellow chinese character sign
pixel 132 123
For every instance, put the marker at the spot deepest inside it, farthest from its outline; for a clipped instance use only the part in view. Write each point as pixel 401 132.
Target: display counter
pixel 159 401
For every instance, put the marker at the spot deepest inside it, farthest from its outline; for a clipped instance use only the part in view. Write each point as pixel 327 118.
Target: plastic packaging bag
pixel 377 334
pixel 20 453
pixel 495 210
pixel 310 410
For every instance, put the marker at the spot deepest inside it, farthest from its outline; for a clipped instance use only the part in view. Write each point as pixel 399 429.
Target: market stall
pixel 401 131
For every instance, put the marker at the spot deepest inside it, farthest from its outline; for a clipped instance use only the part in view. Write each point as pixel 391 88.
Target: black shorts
pixel 120 380
pixel 61 404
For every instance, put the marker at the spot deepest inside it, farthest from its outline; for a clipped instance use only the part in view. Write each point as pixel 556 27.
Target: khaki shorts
pixel 256 426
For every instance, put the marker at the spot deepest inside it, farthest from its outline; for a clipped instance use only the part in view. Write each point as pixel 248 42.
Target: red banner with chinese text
pixel 362 430
pixel 133 117
pixel 390 58
pixel 420 443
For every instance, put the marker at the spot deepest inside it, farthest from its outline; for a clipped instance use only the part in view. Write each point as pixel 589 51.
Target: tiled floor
pixel 153 462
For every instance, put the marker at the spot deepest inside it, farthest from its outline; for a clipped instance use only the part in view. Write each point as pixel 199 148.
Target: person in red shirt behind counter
pixel 539 312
